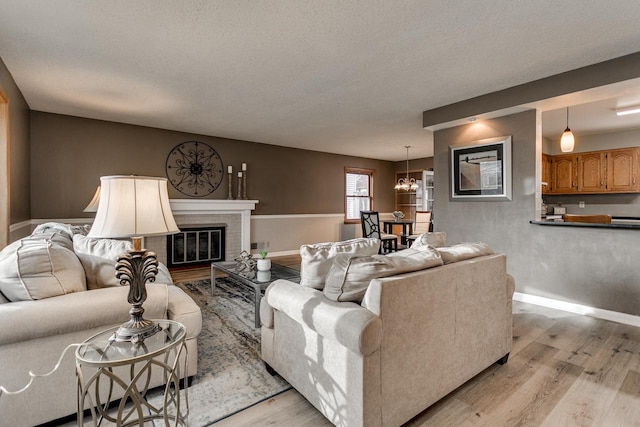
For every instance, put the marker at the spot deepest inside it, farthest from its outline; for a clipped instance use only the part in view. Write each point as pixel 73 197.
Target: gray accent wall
pixel 593 267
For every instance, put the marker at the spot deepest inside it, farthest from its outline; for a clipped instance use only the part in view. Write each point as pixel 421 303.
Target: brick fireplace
pixel 233 215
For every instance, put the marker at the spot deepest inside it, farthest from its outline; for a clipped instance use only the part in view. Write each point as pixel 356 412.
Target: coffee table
pixel 256 280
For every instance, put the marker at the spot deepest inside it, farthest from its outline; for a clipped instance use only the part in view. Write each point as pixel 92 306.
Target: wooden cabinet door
pixel 547 175
pixel 591 172
pixel 564 174
pixel 622 167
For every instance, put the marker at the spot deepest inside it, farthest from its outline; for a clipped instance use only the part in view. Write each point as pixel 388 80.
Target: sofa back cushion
pixel 350 275
pixel 317 259
pixel 99 258
pixel 433 239
pixel 40 266
pixel 463 251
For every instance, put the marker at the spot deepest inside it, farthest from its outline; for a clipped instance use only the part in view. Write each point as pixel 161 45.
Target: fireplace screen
pixel 196 246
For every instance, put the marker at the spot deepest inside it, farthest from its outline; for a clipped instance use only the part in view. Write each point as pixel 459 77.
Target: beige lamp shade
pixel 133 206
pixel 93 204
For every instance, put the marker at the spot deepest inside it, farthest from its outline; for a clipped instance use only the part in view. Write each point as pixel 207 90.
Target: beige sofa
pixel 34 333
pixel 414 338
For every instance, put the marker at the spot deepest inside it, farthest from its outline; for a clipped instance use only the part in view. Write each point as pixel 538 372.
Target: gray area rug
pixel 231 375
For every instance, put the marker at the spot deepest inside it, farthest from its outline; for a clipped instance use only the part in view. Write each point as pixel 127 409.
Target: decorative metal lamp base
pixel 135 268
pixel 136 329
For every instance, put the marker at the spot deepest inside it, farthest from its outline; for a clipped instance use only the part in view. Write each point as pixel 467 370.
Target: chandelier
pixel 407 183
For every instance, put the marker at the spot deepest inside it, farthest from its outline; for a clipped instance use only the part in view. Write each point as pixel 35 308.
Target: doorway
pixel 4 170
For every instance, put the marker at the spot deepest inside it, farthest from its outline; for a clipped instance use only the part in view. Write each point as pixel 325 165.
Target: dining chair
pixel 421 225
pixel 370 221
pixel 592 219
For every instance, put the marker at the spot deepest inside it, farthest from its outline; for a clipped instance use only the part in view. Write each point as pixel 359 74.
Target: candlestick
pixel 239 186
pixel 230 183
pixel 244 182
pixel 230 169
pixel 244 167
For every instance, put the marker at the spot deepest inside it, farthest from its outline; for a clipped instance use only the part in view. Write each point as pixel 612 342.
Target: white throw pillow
pixel 99 258
pixel 350 275
pixel 463 251
pixel 435 239
pixel 317 259
pixel 38 267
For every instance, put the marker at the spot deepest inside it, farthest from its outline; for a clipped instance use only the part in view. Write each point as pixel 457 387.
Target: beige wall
pixel 69 154
pixel 19 148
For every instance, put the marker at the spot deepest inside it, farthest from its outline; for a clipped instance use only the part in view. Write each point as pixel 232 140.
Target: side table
pixel 102 366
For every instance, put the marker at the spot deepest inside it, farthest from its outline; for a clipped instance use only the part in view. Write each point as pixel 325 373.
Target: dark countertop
pixel 625 223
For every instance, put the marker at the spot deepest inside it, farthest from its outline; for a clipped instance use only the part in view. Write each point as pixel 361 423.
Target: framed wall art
pixel 481 170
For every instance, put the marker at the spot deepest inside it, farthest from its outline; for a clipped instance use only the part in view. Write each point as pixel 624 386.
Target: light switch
pixel 581 205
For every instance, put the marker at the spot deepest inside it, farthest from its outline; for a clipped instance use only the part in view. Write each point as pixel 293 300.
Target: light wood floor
pixel 564 370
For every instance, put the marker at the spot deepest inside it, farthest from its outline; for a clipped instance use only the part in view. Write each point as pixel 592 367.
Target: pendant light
pixel 567 142
pixel 407 183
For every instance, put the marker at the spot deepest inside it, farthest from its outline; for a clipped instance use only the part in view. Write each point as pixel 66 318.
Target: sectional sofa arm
pixel 347 323
pixel 183 309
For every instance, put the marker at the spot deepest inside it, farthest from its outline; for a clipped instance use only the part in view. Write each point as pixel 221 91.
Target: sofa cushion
pixel 463 251
pixel 40 266
pixel 317 259
pixel 99 258
pixel 435 239
pixel 67 230
pixel 30 320
pixel 350 275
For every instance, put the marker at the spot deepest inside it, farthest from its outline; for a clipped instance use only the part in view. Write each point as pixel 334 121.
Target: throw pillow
pixel 38 267
pixel 99 258
pixel 350 275
pixel 317 259
pixel 435 239
pixel 463 251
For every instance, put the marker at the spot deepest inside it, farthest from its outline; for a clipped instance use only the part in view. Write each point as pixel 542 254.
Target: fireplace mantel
pixel 200 206
pixel 217 206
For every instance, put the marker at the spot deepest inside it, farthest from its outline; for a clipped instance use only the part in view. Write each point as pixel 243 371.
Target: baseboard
pixel 585 310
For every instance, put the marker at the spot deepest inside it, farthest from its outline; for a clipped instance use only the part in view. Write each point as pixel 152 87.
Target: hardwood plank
pixel 288 408
pixel 625 409
pixel 587 402
pixel 532 401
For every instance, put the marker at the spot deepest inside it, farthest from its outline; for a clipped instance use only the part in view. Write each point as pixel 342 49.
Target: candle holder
pixel 239 185
pixel 244 185
pixel 230 189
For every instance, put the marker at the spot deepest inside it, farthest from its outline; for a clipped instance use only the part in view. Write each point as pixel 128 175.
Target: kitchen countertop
pixel 621 222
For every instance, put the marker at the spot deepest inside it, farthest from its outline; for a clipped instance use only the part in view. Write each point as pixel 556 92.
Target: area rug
pixel 231 375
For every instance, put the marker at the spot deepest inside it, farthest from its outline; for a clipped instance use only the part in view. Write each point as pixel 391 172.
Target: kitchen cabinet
pixel 622 167
pixel 593 172
pixel 564 174
pixel 546 174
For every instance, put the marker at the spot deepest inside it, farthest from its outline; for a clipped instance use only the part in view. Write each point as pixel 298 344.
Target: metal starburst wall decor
pixel 194 168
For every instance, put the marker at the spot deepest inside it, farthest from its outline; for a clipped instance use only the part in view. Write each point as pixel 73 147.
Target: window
pixel 358 193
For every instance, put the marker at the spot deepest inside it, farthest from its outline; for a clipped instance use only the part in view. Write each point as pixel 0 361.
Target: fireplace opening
pixel 196 246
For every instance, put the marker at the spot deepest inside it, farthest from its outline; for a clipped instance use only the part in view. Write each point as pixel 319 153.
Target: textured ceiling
pixel 348 77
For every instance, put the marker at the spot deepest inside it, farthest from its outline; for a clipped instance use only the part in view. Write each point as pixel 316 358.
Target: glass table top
pixel 277 272
pixel 98 349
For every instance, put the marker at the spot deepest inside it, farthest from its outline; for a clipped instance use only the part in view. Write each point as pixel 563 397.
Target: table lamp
pixel 93 204
pixel 134 206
